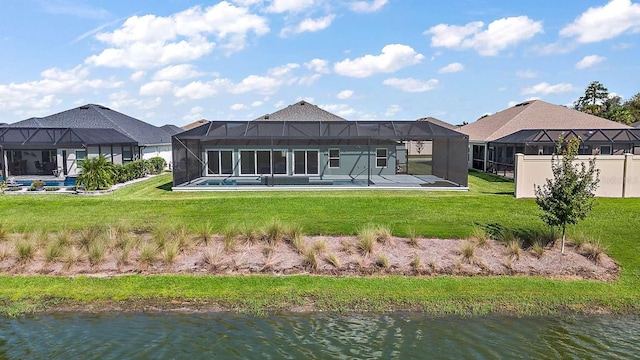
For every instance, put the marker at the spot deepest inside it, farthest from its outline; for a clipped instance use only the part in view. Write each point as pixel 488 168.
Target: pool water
pixel 67 182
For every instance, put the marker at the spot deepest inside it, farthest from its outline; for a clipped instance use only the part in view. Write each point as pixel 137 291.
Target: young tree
pixel 569 195
pixel 633 105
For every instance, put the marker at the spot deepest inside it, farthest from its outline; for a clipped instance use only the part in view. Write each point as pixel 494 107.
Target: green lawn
pixel 615 222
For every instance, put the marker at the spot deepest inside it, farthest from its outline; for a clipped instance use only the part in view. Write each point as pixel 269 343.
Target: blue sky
pixel 176 61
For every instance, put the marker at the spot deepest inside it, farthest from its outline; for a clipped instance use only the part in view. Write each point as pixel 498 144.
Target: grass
pixel 514 249
pixel 468 252
pixel 25 250
pixel 333 260
pixel 431 214
pixel 310 260
pixel 367 237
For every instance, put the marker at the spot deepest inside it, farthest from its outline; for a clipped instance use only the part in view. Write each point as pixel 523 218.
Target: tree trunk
pixel 562 251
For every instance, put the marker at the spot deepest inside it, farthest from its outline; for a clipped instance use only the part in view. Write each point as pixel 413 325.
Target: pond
pixel 316 336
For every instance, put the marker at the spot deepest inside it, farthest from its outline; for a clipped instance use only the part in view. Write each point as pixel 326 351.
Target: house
pixel 494 140
pixel 194 124
pixel 303 144
pixel 425 147
pixel 55 144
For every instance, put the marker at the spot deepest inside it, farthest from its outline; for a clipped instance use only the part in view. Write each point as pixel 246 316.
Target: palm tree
pixel 97 174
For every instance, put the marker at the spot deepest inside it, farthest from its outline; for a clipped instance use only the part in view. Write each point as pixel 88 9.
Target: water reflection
pixel 315 336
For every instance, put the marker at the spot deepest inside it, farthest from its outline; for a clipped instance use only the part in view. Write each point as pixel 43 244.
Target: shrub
pixel 383 234
pixel 53 251
pixel 71 257
pixel 96 174
pixel 205 233
pixel 297 243
pixel 249 233
pixel 229 236
pixel 310 260
pixel 382 261
pixel 97 251
pixel 537 249
pixel 333 260
pixel 468 251
pixel 367 237
pixel 37 185
pixel 211 257
pixel 275 231
pixel 148 254
pixel 320 246
pixel 514 250
pixel 5 252
pixel 480 236
pixel 4 233
pixel 292 231
pixel 170 252
pixel 416 264
pixel 156 165
pixel 413 238
pixel 25 250
pixel 51 188
pixel 592 251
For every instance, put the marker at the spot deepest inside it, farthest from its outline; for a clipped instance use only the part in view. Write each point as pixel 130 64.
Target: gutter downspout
pixel 368 161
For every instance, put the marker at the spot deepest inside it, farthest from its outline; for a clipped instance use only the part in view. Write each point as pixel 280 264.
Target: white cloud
pixel 259 84
pixel 42 94
pixel 556 48
pixel 150 40
pixel 194 114
pixel 318 65
pixel 452 68
pixel 199 90
pixel 257 103
pixel 411 84
pixel 309 80
pixel 527 74
pixel 342 110
pixel 392 110
pixel 344 94
pixel 393 58
pixel 499 35
pixel 309 25
pixel 544 88
pixel 367 7
pixel 238 107
pixel 138 75
pixel 589 61
pixel 280 6
pixel 122 100
pixel 279 104
pixel 155 88
pixel 65 7
pixel 514 103
pixel 177 72
pixel 283 70
pixel 605 22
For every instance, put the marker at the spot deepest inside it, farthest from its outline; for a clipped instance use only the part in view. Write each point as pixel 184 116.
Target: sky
pixel 177 61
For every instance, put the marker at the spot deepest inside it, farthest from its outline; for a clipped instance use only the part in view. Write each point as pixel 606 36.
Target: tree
pixel 569 195
pixel 633 105
pixel 594 97
pixel 97 174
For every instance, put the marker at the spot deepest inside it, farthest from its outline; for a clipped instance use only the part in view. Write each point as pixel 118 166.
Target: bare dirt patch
pixel 323 255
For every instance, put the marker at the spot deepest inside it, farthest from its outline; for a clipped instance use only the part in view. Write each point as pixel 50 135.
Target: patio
pixel 333 182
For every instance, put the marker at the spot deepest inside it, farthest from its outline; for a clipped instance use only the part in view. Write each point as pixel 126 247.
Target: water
pixel 316 336
pixel 67 182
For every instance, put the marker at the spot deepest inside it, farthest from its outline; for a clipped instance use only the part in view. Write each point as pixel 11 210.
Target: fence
pixel 619 174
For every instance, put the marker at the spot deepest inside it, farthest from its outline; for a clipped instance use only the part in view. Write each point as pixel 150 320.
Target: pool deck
pixel 378 182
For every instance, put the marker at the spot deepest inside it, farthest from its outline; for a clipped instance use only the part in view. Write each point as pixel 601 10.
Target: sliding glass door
pixel 306 162
pixel 263 162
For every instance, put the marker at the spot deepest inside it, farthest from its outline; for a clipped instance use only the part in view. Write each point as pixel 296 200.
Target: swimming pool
pixel 67 182
pixel 259 182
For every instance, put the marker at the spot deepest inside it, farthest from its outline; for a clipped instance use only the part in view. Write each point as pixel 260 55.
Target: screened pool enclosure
pixel 302 153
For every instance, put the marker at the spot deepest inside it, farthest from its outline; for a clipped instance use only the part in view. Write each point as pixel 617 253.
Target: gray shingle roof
pixel 301 111
pixel 534 114
pixel 100 117
pixel 439 122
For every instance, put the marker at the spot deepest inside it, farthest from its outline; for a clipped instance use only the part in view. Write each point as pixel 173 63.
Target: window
pixel 80 156
pixel 605 149
pixel 381 158
pixel 305 162
pixel 263 162
pixel 127 154
pixel 220 162
pixel 334 158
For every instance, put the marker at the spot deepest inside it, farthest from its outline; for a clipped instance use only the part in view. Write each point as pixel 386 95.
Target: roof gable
pixel 100 117
pixel 301 111
pixel 534 114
